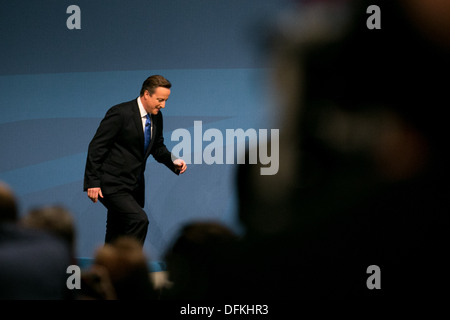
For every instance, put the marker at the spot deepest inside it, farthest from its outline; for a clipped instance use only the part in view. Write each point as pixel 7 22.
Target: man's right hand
pixel 94 193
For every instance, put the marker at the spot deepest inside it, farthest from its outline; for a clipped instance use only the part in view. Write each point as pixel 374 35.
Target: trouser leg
pixel 125 217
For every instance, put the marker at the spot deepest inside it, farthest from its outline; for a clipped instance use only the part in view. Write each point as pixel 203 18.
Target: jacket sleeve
pixel 100 145
pixel 160 151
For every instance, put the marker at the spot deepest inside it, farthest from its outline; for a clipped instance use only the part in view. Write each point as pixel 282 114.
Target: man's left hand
pixel 180 165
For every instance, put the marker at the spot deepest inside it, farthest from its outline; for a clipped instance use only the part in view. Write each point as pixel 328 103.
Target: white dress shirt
pixel 143 116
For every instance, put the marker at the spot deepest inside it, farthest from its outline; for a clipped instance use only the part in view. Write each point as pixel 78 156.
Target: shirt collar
pixel 141 108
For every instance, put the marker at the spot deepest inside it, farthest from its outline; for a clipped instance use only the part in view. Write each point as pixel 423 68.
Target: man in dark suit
pixel 117 156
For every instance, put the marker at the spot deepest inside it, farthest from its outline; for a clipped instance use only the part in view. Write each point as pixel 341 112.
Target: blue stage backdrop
pixel 61 69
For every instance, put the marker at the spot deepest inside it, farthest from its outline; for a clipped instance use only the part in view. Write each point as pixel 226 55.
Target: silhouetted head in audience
pixel 194 259
pixel 127 267
pixel 55 220
pixel 8 204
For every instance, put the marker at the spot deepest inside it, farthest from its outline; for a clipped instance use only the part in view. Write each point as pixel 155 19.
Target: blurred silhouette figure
pixel 119 271
pixel 56 220
pixel 32 264
pixel 364 172
pixel 96 284
pixel 8 204
pixel 198 261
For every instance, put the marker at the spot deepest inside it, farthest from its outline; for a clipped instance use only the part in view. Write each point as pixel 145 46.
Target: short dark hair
pixel 153 82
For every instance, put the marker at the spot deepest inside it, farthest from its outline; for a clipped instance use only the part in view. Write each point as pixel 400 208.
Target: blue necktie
pixel 147 132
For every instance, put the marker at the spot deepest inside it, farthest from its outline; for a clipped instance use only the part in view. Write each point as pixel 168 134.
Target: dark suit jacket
pixel 116 159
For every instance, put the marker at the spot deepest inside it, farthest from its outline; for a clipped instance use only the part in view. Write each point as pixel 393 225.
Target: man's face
pixel 153 103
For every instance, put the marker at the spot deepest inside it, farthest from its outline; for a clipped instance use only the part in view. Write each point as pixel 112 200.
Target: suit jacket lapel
pixel 138 123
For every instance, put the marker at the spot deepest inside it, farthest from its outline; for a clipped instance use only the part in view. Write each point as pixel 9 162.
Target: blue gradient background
pixel 56 85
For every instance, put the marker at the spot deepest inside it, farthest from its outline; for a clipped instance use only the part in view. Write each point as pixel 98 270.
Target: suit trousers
pixel 125 217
